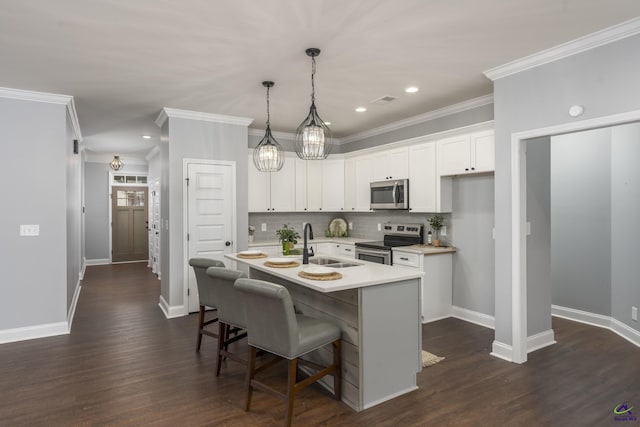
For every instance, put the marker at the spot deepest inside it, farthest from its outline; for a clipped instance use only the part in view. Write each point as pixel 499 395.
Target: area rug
pixel 429 359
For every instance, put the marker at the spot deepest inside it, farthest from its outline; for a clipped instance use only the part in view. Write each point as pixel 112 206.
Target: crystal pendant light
pixel 116 164
pixel 313 137
pixel 268 156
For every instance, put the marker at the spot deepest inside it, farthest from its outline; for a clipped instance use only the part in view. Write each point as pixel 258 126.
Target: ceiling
pixel 124 60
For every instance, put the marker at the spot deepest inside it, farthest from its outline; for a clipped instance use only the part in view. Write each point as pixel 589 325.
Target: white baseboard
pixel 83 268
pixel 101 261
pixel 540 340
pixel 74 303
pixel 473 317
pixel 593 319
pixel 170 311
pixel 502 351
pixel 31 332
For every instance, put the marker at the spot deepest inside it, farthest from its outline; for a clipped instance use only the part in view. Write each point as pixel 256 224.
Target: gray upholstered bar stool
pixel 206 297
pixel 274 327
pixel 231 316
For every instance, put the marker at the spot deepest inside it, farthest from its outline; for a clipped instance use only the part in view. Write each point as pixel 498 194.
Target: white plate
pixel 319 271
pixel 281 260
pixel 250 253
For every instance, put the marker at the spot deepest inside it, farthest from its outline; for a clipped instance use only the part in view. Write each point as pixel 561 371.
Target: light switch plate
pixel 263 227
pixel 634 313
pixel 29 230
pixel 350 226
pixel 379 227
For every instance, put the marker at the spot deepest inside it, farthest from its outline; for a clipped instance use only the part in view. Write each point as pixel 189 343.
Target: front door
pixel 210 190
pixel 130 240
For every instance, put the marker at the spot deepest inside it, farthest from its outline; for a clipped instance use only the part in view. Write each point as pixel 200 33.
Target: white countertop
pixel 364 275
pixel 426 249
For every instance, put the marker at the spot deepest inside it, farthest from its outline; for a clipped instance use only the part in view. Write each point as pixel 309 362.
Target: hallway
pixel 125 364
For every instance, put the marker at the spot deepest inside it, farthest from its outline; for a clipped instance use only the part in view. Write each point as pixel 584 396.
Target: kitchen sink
pixel 331 262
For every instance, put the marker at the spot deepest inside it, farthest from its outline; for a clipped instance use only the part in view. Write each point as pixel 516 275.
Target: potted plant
pixel 436 222
pixel 252 229
pixel 288 236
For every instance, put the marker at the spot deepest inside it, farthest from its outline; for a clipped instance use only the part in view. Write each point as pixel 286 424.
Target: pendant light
pixel 313 137
pixel 268 156
pixel 116 164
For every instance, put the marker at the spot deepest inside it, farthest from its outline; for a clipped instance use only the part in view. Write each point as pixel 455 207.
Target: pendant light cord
pixel 313 85
pixel 268 115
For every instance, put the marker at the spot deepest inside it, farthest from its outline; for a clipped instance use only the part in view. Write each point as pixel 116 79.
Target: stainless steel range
pixel 395 234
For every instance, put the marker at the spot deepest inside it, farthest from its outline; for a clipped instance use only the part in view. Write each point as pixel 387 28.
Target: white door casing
pixel 210 216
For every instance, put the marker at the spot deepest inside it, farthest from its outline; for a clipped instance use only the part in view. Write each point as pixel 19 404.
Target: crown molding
pixel 277 135
pixel 166 113
pixel 49 98
pixel 431 115
pixel 582 44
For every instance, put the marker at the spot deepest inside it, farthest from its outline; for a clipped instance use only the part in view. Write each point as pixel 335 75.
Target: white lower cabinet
pixel 437 283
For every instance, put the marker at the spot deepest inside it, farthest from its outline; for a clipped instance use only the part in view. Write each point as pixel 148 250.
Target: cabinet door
pixel 483 151
pixel 347 250
pixel 301 185
pixel 324 248
pixel 363 180
pixel 258 191
pixel 391 164
pixel 454 155
pixel 333 185
pixel 422 178
pixel 283 191
pixel 314 185
pixel 350 184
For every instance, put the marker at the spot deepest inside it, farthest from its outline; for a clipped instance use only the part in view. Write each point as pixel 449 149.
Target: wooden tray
pixel 288 265
pixel 256 256
pixel 332 276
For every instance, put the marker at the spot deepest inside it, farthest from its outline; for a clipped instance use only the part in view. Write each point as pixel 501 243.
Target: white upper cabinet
pixel 350 184
pixel 364 172
pixel 391 164
pixel 465 154
pixel 301 185
pixel 314 185
pixel 272 191
pixel 333 185
pixel 422 178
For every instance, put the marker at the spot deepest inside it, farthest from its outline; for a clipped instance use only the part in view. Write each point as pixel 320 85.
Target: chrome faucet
pixel 305 250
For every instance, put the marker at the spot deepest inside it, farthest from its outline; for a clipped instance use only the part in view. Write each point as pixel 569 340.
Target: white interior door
pixel 155 227
pixel 211 189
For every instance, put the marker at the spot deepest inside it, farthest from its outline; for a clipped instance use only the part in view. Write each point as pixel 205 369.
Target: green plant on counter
pixel 436 222
pixel 287 234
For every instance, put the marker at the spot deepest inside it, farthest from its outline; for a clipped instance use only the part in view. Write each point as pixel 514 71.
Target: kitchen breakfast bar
pixel 378 309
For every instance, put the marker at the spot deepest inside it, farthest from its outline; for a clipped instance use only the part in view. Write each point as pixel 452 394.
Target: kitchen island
pixel 378 309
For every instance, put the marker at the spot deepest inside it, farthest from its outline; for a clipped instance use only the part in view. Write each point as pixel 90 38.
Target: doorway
pixel 519 225
pixel 130 224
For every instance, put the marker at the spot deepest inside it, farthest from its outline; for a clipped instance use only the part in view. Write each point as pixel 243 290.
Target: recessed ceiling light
pixel 146 136
pixel 361 109
pixel 411 89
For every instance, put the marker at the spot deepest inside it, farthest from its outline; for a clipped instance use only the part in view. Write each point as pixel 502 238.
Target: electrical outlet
pixel 350 226
pixel 263 227
pixel 379 227
pixel 443 230
pixel 634 313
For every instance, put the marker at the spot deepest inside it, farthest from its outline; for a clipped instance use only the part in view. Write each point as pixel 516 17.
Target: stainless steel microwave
pixel 392 194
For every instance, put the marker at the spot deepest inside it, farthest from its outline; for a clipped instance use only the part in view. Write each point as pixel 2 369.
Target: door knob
pixel 227 243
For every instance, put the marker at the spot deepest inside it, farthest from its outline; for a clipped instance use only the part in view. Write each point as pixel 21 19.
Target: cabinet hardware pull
pixel 404 258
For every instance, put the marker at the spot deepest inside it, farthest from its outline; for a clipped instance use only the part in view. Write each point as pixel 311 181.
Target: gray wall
pixel 625 224
pixel 471 227
pixel 581 221
pixel 33 269
pixel 603 80
pixel 96 208
pixel 195 139
pixel 539 242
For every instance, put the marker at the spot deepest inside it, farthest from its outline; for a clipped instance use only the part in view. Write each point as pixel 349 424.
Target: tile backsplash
pixel 365 224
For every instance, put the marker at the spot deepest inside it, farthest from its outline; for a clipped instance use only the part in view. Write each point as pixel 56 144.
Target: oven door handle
pixel 368 251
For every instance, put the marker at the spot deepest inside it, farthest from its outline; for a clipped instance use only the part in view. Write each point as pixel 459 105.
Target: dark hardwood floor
pixel 125 364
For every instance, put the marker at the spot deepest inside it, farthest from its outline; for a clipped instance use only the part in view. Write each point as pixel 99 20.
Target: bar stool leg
pixel 291 389
pixel 251 366
pixel 200 326
pixel 222 331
